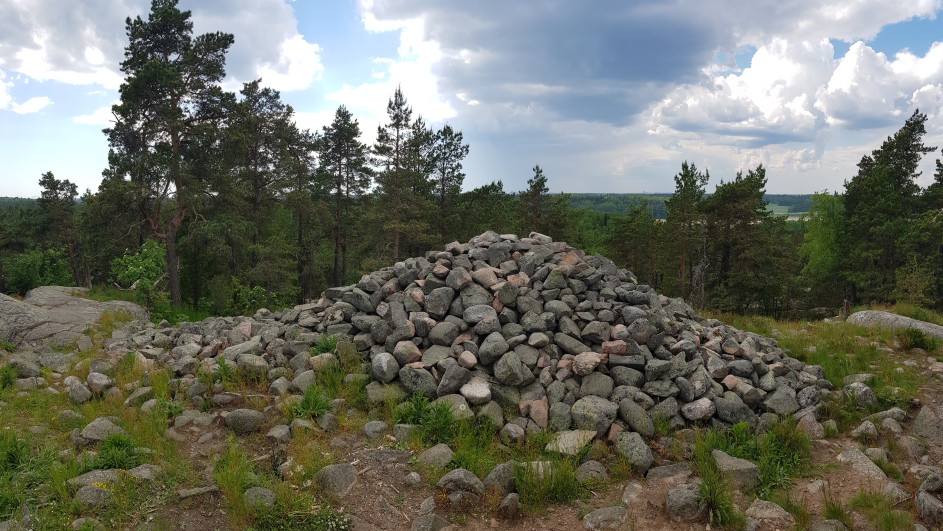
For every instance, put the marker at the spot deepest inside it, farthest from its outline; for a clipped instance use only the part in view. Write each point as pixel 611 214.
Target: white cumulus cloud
pixel 101 116
pixel 32 105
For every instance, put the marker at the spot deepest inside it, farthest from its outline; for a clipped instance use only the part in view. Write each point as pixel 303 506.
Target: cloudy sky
pixel 607 96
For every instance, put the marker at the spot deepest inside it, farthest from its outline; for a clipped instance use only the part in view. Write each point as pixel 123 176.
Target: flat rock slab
pixel 893 321
pixel 861 464
pixel 571 442
pixel 51 315
pixel 744 473
pixel 607 518
pixel 668 471
pixel 104 477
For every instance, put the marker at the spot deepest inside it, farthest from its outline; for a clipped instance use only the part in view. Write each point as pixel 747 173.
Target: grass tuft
pixel 8 375
pixel 880 511
pixel 313 403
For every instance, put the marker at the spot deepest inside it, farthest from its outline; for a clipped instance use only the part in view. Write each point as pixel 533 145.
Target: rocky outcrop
pixel 55 315
pixel 876 318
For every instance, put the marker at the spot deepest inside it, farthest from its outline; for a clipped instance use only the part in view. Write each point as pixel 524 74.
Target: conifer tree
pixel 171 96
pixel 683 216
pixel 391 155
pixel 448 151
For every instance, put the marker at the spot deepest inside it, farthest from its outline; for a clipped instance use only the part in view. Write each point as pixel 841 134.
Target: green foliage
pixel 880 511
pixel 781 452
pixel 890 469
pixel 435 419
pixel 832 508
pixel 313 403
pixel 544 483
pixel 37 267
pixel 224 371
pixel 325 519
pixel 914 338
pixel 326 345
pixel 168 408
pixel 116 451
pixel 8 375
pixel 14 453
pixel 7 346
pixel 914 282
pixel 142 270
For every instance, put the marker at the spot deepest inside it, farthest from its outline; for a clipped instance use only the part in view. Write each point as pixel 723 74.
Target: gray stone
pixel 866 430
pixel 79 394
pixel 594 413
pixel 782 401
pixel 635 451
pixel 439 455
pixel 91 497
pixel 669 471
pixel 636 417
pixel 98 429
pixel 700 409
pixel 493 413
pixel 929 507
pixel 501 478
pixel 860 463
pixel 862 394
pixel 510 504
pixel 104 477
pixel 461 479
pixel 596 383
pixel 592 471
pixel 418 380
pixel 374 429
pixel 744 474
pixel 244 421
pixel 492 348
pixel 511 434
pixel 509 370
pixel 338 479
pixel 606 518
pixel 258 497
pixel 883 319
pixel 305 379
pixel 829 525
pixel 929 424
pixel 429 522
pixel 453 380
pixel 766 510
pixel 405 432
pixel 570 442
pixel 682 504
pixel 279 434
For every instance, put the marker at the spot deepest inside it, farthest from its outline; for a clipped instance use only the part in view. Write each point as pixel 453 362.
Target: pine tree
pixel 879 204
pixel 683 217
pixel 447 155
pixel 170 98
pixel 344 173
pixel 57 205
pixel 391 153
pixel 533 200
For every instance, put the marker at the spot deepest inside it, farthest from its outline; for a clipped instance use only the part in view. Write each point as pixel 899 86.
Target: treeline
pixel 217 202
pixel 220 201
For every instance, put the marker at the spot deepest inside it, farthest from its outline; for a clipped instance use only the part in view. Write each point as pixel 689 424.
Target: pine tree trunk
pixel 173 265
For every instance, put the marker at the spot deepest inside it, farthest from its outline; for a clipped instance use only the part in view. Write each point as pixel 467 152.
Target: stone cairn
pixel 569 342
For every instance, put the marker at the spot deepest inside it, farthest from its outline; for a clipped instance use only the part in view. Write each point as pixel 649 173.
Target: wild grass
pixel 112 320
pixel 714 491
pixel 8 375
pixel 880 511
pixel 832 508
pixel 434 419
pixel 233 472
pixel 918 313
pixel 331 378
pixel 7 346
pixel 325 345
pixel 116 451
pixel 313 403
pixel 890 469
pixel 799 509
pixel 547 482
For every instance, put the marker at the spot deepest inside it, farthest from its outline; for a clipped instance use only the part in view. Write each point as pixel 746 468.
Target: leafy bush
pixel 117 451
pixel 142 270
pixel 169 408
pixel 37 268
pixel 313 403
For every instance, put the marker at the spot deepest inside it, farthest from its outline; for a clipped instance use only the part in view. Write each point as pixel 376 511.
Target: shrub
pixel 914 338
pixel 37 268
pixel 141 270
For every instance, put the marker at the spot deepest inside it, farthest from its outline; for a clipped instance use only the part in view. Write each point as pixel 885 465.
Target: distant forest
pixel 655 203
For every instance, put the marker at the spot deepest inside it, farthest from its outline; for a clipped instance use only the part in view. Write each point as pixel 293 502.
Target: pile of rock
pixel 567 339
